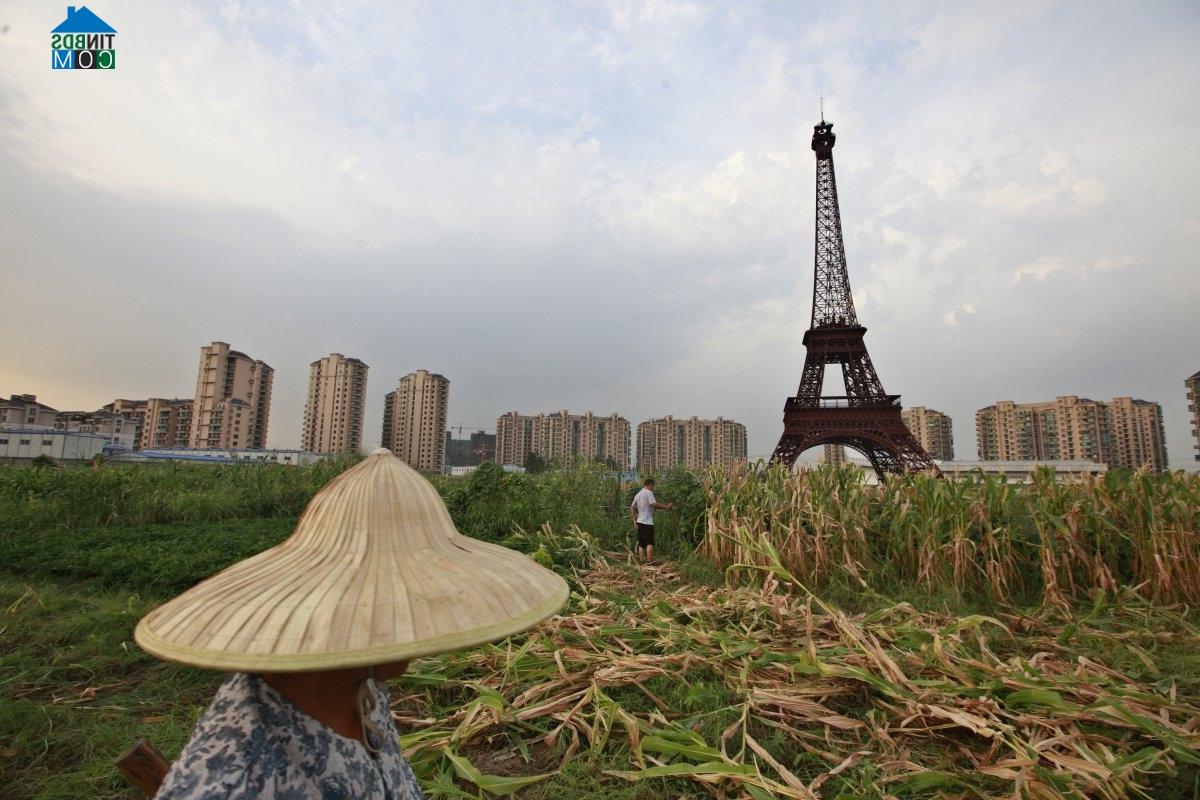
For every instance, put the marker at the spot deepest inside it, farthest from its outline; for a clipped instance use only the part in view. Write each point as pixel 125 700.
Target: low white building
pixel 220 455
pixel 1012 471
pixel 1021 471
pixel 20 442
pixel 458 472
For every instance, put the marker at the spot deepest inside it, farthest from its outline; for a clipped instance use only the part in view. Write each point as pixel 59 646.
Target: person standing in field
pixel 641 511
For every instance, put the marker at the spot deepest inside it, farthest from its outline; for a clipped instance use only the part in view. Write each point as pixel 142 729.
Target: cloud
pixel 1108 262
pixel 1059 181
pixel 950 318
pixel 1042 268
pixel 1038 270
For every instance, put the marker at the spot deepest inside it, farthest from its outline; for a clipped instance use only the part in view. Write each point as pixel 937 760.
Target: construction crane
pixel 460 428
pixel 480 451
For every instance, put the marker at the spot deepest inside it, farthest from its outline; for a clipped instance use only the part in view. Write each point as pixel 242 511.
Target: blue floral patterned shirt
pixel 254 743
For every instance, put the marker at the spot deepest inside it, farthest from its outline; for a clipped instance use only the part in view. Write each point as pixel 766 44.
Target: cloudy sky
pixel 604 206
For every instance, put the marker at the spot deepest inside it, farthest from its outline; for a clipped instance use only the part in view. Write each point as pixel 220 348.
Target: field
pixel 800 637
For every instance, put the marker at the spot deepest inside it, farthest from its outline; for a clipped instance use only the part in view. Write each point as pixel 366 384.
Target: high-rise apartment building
pixel 1193 398
pixel 1070 428
pixel 1067 428
pixel 563 437
pixel 514 438
pixel 1004 432
pixel 136 411
pixel 1137 434
pixel 932 429
pixel 693 443
pixel 161 422
pixel 333 412
pixel 233 399
pixel 167 422
pixel 414 420
pixel 834 455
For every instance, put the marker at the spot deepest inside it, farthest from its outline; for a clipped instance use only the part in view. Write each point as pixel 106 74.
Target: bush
pixel 492 504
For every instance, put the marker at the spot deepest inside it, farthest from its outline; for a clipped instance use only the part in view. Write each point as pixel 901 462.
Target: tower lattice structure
pixel 866 418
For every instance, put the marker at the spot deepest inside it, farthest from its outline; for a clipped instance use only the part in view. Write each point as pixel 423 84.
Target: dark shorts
pixel 645 535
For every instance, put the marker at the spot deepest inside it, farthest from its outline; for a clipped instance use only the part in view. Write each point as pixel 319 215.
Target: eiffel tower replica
pixel 866 418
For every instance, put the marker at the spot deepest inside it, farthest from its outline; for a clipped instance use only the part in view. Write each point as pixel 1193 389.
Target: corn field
pixel 1046 542
pixel 739 692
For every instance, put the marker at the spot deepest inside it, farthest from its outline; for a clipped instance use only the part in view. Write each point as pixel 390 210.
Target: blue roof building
pixel 82 20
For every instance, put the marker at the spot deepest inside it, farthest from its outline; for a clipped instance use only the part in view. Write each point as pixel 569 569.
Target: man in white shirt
pixel 641 511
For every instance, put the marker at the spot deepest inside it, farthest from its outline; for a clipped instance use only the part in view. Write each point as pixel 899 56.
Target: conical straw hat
pixel 375 572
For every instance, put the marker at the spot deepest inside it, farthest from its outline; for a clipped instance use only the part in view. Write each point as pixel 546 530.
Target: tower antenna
pixel 822 109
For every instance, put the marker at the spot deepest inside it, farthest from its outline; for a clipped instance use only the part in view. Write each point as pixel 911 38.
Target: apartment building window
pixel 47 442
pixel 24 443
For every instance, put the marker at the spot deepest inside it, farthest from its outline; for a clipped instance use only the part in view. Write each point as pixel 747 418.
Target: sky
pixel 604 206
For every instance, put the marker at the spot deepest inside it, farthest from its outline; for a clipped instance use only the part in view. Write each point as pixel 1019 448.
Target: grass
pixel 153 560
pixel 887 669
pixel 76 691
pixel 73 498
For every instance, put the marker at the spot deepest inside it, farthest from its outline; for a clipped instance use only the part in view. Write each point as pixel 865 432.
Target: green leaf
pixel 422 679
pixel 488 697
pixel 975 621
pixel 1068 632
pixel 927 780
pixel 410 740
pixel 492 784
pixel 696 750
pixel 1038 698
pixel 683 770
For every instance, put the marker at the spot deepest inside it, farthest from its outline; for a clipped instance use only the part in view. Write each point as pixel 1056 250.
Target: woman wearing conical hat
pixel 375 574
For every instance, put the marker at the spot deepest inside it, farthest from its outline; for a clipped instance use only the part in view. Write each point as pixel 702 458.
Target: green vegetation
pixel 807 637
pixel 73 498
pixel 493 504
pixel 151 560
pixel 75 691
